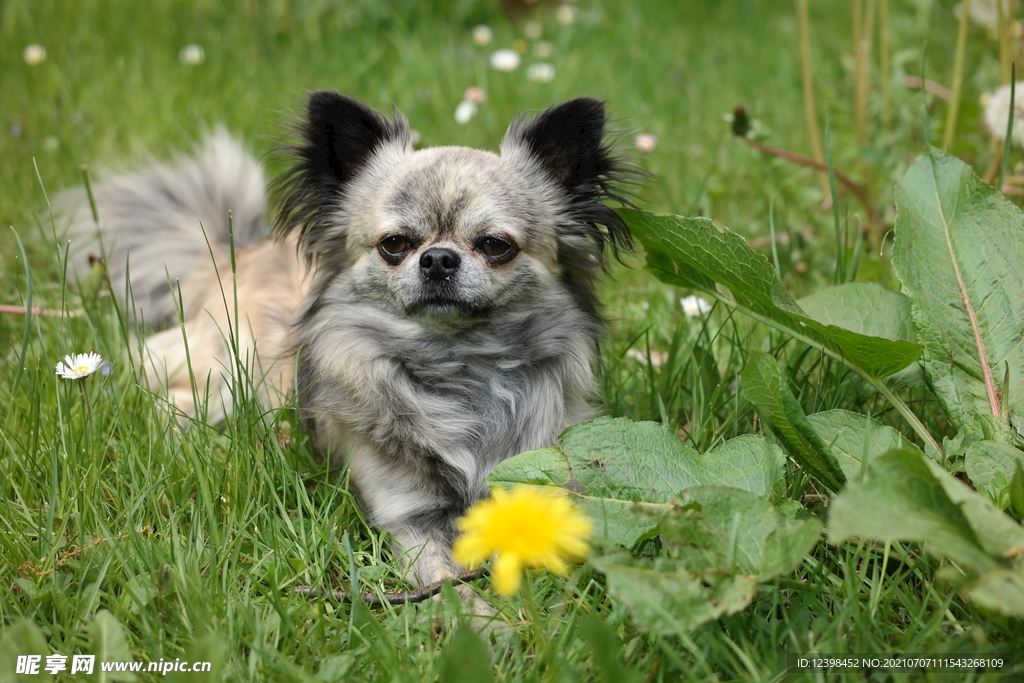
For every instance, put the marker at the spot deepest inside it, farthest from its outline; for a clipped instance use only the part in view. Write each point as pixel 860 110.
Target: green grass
pixel 194 537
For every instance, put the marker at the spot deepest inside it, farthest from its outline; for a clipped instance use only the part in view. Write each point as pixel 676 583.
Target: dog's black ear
pixel 336 139
pixel 568 141
pixel 341 133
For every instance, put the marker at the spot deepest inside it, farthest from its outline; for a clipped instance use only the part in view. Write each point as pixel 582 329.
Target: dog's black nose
pixel 438 263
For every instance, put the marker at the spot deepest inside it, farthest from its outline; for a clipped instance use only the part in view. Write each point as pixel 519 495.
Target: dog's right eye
pixel 393 248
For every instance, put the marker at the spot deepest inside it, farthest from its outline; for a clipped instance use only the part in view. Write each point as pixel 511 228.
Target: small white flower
pixel 50 144
pixel 191 55
pixel 543 49
pixel 565 14
pixel 645 142
pixel 505 60
pixel 475 95
pixel 694 306
pixel 34 54
pixel 414 137
pixel 997 109
pixel 533 29
pixel 655 359
pixel 465 111
pixel 482 35
pixel 542 72
pixel 986 12
pixel 80 365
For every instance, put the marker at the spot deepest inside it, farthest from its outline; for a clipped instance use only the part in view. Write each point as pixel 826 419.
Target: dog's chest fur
pixel 444 407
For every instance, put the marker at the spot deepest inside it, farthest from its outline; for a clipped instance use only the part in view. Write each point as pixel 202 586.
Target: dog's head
pixel 450 235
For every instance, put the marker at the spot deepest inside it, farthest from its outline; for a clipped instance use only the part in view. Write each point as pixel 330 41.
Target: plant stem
pixel 844 179
pixel 958 78
pixel 863 26
pixel 1005 10
pixel 884 63
pixel 88 414
pixel 810 108
pixel 903 409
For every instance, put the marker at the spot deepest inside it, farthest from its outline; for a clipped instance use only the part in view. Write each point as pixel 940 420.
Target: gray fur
pixel 164 220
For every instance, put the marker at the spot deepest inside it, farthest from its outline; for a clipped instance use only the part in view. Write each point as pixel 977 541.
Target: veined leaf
pixel 624 473
pixel 693 252
pixel 991 466
pixel 959 252
pixel 673 601
pixel 855 439
pixel 907 497
pixel 720 545
pixel 864 307
pixel 871 309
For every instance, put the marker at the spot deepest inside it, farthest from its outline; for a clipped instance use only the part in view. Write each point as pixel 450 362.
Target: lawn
pixel 130 537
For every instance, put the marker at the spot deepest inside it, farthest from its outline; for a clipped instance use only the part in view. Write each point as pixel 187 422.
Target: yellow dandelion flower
pixel 527 527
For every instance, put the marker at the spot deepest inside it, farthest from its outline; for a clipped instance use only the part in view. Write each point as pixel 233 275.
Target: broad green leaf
pixel 544 466
pixel 466 659
pixel 210 648
pixel 674 601
pixel 736 532
pixel 864 307
pixel 855 439
pixel 22 637
pixel 693 252
pixel 1001 590
pixel 908 497
pixel 748 462
pixel 1017 491
pixel 871 309
pixel 980 427
pixel 109 644
pixel 621 471
pixel 764 386
pixel 959 252
pixel 720 544
pixel 991 466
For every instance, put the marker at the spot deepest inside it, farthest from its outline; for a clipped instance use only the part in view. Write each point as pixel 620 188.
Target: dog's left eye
pixel 496 249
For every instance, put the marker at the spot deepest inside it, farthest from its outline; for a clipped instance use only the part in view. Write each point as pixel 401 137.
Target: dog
pixel 434 311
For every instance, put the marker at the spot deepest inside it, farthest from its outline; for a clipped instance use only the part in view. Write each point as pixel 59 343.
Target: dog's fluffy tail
pixel 168 226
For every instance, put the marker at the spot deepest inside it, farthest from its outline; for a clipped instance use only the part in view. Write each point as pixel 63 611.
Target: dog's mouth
pixel 447 307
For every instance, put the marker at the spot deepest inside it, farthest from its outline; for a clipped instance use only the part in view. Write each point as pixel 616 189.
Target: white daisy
pixel 656 358
pixel 465 111
pixel 986 12
pixel 505 60
pixel 541 72
pixel 645 142
pixel 543 49
pixel 34 54
pixel 80 365
pixel 191 55
pixel 482 35
pixel 695 306
pixel 997 109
